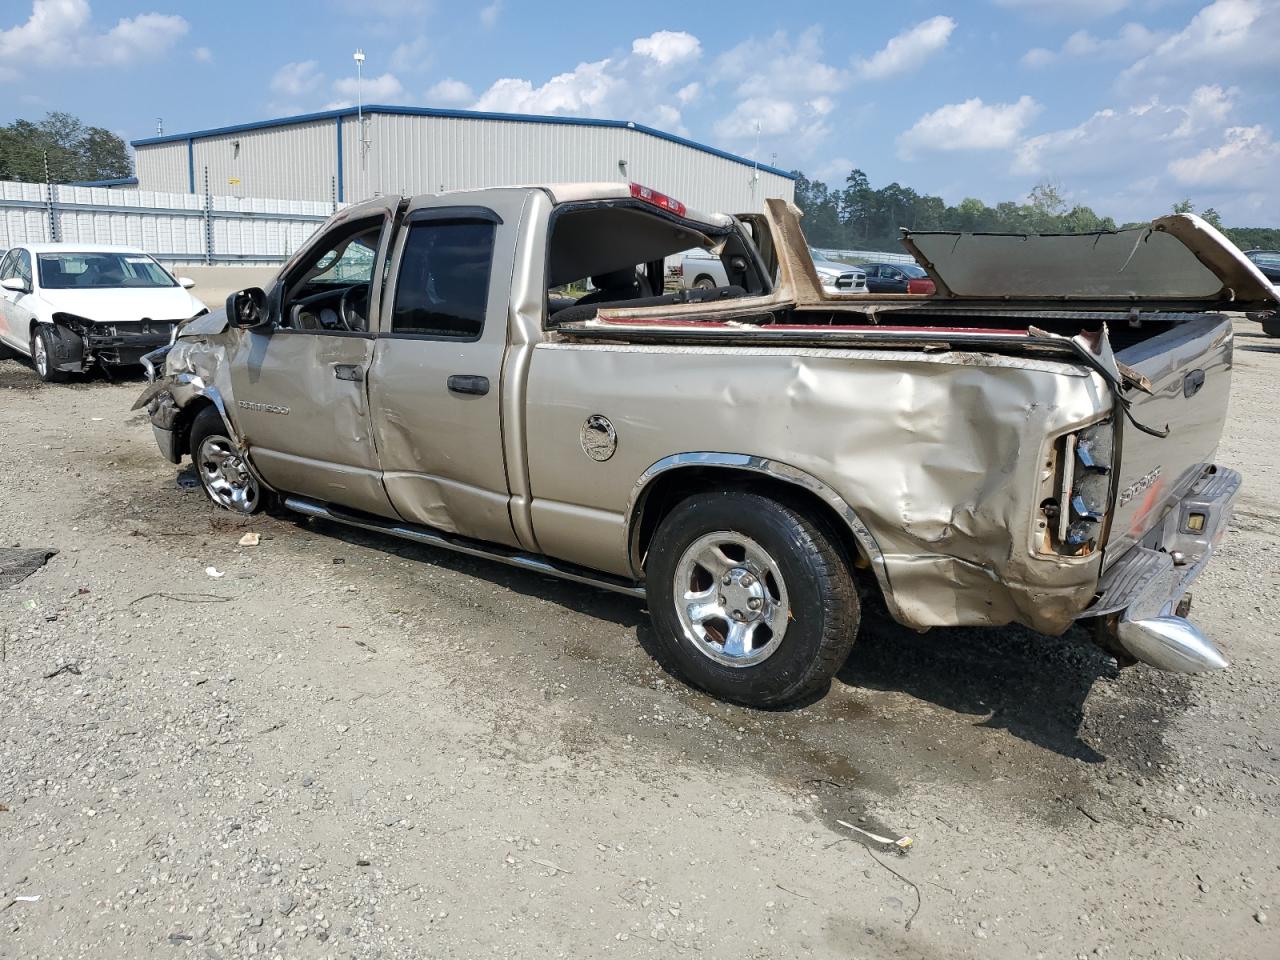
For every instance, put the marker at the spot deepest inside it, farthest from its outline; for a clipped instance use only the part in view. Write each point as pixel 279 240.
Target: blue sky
pixel 1128 105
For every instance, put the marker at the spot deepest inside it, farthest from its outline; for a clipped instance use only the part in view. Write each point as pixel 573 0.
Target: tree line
pixel 860 217
pixel 73 151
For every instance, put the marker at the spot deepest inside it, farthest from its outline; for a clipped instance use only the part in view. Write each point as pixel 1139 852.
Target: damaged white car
pixel 73 308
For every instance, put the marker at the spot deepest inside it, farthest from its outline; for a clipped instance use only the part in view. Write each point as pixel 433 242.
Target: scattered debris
pixel 35 898
pixel 16 563
pixel 1091 816
pixel 71 668
pixel 549 865
pixel 361 643
pixel 872 854
pixel 362 862
pixel 250 539
pixel 4 808
pixel 187 479
pixel 183 597
pixel 901 845
pixel 179 937
pixel 214 572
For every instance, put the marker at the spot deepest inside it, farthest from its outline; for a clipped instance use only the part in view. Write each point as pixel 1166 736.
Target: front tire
pixel 42 357
pixel 223 472
pixel 751 599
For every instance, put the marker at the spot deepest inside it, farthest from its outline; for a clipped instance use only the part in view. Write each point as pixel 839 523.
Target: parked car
pixel 1268 261
pixel 71 308
pixel 897 278
pixel 702 270
pixel 753 458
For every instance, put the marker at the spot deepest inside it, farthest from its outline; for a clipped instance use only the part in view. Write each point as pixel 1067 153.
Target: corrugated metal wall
pixel 174 227
pixel 163 167
pixel 423 154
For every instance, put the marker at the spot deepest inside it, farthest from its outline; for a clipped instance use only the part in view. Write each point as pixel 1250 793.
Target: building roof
pixel 459 115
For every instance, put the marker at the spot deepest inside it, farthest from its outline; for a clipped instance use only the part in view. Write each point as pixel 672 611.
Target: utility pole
pixel 358 57
pixel 159 126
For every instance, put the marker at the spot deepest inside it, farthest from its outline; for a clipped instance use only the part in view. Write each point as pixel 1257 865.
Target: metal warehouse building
pixel 339 156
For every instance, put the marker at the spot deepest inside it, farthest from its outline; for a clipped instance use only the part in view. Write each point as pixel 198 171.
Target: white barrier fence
pixel 867 256
pixel 180 229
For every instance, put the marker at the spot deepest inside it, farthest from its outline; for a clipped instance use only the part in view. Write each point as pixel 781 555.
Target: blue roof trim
pixel 115 182
pixel 460 115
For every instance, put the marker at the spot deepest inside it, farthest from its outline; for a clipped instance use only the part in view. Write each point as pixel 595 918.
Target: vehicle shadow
pixel 1030 685
pixel 1259 347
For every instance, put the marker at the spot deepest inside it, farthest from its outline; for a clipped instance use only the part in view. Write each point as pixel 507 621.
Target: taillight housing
pixel 1076 491
pixel 660 200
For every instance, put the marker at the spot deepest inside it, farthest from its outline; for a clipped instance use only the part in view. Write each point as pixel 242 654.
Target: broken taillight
pixel 1079 478
pixel 660 200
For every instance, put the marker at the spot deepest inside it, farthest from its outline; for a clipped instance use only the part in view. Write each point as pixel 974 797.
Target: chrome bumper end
pixel 1143 595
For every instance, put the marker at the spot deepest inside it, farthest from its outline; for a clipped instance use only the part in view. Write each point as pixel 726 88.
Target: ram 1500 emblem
pixel 1140 486
pixel 264 407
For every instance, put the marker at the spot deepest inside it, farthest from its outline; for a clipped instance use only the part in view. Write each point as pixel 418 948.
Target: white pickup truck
pixel 1033 444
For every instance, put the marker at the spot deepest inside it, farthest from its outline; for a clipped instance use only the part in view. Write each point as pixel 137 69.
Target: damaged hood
pixel 124 305
pixel 1175 262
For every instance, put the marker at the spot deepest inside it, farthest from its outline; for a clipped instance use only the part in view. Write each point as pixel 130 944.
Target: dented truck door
pixel 300 384
pixel 437 368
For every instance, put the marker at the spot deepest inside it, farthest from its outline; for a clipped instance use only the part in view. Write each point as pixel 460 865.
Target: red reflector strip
pixel 660 200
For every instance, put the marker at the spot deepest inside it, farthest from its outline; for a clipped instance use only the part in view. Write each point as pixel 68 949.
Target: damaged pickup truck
pixel 73 308
pixel 1033 444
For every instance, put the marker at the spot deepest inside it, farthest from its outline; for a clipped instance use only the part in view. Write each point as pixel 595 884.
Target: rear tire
pixel 1271 325
pixel 42 356
pixel 730 565
pixel 224 475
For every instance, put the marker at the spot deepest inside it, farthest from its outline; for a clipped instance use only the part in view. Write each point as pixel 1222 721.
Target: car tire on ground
pixel 704 282
pixel 223 473
pixel 42 356
pixel 1271 325
pixel 751 599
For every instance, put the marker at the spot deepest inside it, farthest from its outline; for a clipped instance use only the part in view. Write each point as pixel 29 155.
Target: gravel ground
pixel 346 746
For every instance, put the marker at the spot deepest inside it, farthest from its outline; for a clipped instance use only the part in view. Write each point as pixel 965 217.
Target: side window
pixel 7 264
pixel 330 290
pixel 443 285
pixel 23 266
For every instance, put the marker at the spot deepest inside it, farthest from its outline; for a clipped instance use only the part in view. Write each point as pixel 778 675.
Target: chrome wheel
pixel 226 476
pixel 731 599
pixel 39 355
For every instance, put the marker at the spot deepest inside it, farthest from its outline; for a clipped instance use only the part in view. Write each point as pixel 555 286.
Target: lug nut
pixel 748 580
pixel 727 580
pixel 755 603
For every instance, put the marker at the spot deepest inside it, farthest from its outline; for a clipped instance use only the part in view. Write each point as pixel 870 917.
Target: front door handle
pixel 348 371
pixel 469 383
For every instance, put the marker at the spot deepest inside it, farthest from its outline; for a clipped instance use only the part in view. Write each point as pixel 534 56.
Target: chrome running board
pixel 472 548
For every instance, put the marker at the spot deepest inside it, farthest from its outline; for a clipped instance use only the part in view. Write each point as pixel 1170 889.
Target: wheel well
pixel 186 417
pixel 704 276
pixel 670 488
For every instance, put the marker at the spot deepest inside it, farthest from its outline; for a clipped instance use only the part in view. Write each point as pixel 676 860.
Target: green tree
pixel 74 151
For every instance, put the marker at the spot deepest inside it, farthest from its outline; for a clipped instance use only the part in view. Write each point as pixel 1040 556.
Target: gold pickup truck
pixel 500 372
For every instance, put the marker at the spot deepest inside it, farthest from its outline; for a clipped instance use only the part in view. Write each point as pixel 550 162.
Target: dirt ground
pixel 347 746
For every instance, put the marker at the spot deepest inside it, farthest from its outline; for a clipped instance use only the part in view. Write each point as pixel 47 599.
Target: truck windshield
pixel 98 271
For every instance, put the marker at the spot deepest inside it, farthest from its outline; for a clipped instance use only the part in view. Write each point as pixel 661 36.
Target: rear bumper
pixel 1143 595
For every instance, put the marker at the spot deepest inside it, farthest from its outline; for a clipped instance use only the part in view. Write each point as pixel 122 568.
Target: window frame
pixel 437 215
pixel 319 245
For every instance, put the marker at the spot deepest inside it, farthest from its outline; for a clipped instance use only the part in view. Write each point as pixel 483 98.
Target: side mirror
pixel 16 284
pixel 186 283
pixel 247 308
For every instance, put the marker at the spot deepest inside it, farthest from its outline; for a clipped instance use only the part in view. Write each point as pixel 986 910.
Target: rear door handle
pixel 348 371
pixel 469 383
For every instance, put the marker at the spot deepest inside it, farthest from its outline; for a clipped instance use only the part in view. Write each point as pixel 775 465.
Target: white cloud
pixel 296 80
pixel 908 49
pixel 61 33
pixel 689 92
pixel 384 88
pixel 449 93
pixel 489 14
pixel 202 55
pixel 1066 9
pixel 1132 40
pixel 1116 142
pixel 779 66
pixel 971 125
pixel 411 56
pixel 1248 158
pixel 1227 38
pixel 667 47
pixel 583 89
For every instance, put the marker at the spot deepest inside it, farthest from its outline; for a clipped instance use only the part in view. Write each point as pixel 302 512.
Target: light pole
pixel 358 57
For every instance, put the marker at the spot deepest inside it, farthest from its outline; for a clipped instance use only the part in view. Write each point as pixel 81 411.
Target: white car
pixel 703 270
pixel 73 307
